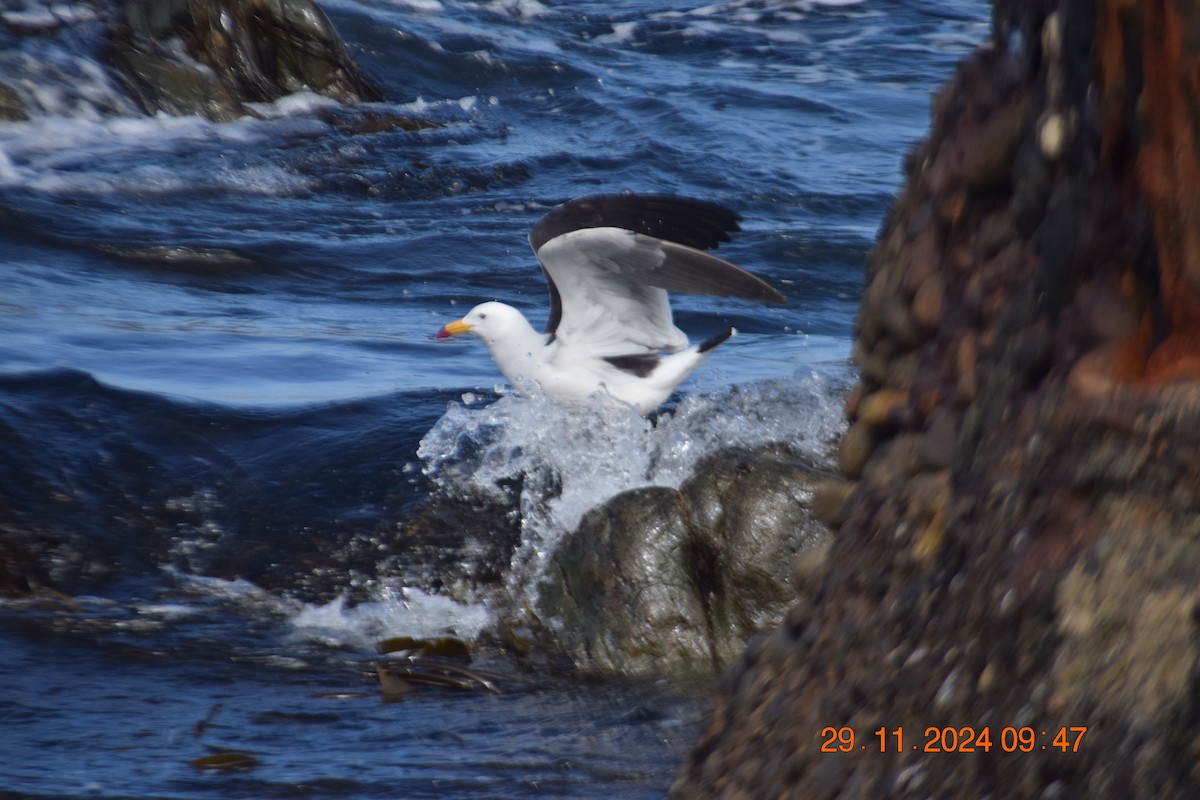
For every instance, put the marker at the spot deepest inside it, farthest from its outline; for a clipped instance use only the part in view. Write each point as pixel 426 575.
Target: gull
pixel 609 261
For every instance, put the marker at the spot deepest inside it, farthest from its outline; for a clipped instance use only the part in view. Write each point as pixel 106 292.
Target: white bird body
pixel 610 326
pixel 530 362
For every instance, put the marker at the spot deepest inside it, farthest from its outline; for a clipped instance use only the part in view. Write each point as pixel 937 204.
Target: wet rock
pixel 809 568
pixel 885 408
pixel 24 561
pixel 11 106
pixel 36 560
pixel 899 324
pixel 450 545
pixel 937 445
pixel 967 359
pixel 829 500
pixel 1021 550
pixel 160 84
pixel 211 57
pixel 377 120
pixel 927 303
pixel 457 546
pixel 924 258
pixel 672 581
pixel 856 447
pixel 753 510
pixel 988 162
pixel 1031 189
pixel 623 596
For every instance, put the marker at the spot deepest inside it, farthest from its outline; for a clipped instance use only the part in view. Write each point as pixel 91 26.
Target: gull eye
pixel 483 316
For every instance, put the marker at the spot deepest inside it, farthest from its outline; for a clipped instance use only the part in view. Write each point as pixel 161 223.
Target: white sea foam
pixel 403 611
pixel 622 33
pixel 9 173
pixel 522 9
pixel 37 16
pixel 394 611
pixel 295 104
pixel 755 10
pixel 238 592
pixel 56 154
pixel 420 6
pixel 167 610
pixel 565 460
pixel 52 79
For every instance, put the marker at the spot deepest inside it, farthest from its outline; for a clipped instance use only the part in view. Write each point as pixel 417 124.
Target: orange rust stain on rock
pixel 1175 359
pixel 1168 169
pixel 1131 357
pixel 1113 19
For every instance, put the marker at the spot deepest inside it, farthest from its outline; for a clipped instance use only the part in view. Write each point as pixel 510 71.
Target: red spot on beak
pixel 453 329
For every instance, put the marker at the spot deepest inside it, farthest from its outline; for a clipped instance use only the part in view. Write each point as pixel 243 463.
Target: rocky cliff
pixel 1011 591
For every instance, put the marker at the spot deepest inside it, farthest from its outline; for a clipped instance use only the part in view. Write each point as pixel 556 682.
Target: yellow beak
pixel 453 329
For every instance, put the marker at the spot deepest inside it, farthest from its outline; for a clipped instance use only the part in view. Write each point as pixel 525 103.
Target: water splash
pixel 554 462
pixel 393 611
pixel 401 611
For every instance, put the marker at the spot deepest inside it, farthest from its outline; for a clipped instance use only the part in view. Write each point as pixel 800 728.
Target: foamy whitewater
pixel 399 611
pixel 566 460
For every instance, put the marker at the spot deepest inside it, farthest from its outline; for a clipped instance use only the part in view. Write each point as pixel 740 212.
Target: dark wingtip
pixel 765 292
pixel 692 272
pixel 696 223
pixel 713 341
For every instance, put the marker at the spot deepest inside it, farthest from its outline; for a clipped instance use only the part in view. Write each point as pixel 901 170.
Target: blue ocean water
pixel 218 375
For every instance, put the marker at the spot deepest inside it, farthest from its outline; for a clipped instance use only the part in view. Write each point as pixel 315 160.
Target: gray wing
pixel 602 307
pixel 665 252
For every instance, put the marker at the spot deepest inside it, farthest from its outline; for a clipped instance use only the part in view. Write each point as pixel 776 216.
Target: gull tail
pixel 713 341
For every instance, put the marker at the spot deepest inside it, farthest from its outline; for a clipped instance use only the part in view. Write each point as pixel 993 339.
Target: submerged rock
pixel 660 580
pixel 210 57
pixel 11 105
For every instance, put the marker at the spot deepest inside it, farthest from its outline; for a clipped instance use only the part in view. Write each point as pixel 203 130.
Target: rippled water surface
pixel 221 399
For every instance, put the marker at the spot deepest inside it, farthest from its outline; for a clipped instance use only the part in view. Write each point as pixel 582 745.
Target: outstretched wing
pixel 695 223
pixel 609 261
